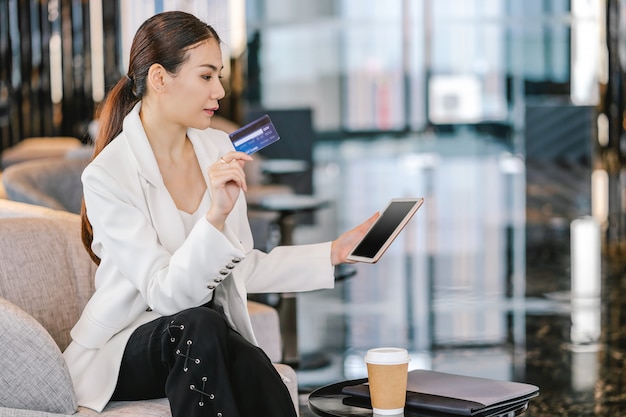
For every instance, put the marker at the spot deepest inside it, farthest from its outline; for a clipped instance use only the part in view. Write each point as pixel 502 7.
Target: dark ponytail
pixel 164 39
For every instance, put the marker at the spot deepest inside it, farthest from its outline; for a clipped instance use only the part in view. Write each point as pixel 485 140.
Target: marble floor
pixel 482 282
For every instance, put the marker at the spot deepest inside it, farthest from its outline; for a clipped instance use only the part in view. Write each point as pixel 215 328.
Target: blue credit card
pixel 254 136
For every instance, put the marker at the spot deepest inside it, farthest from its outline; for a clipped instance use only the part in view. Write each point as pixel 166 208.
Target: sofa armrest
pixel 266 326
pixel 34 375
pixel 290 379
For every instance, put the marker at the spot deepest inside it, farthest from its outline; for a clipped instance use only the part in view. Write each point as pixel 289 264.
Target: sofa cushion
pixel 266 325
pixel 34 375
pixel 37 273
pixel 84 268
pixel 148 408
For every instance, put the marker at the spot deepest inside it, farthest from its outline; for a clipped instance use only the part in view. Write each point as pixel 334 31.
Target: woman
pixel 164 217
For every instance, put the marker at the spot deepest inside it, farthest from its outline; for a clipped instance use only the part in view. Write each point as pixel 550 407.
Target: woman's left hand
pixel 343 245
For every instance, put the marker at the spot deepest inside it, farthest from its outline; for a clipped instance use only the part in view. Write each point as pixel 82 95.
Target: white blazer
pixel 149 268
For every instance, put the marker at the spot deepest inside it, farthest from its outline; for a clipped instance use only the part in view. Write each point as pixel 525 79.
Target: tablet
pixel 383 232
pixel 254 136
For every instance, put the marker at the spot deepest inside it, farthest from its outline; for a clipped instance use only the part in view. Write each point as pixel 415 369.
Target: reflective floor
pixel 480 283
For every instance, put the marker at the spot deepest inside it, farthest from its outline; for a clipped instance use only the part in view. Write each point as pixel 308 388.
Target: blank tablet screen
pixel 383 229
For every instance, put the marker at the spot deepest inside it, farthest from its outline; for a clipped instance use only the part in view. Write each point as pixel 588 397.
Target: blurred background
pixel 506 116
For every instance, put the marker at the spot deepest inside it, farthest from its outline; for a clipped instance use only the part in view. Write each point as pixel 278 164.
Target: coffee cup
pixel 387 372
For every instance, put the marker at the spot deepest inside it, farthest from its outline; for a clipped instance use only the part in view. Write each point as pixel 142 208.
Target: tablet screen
pixel 391 221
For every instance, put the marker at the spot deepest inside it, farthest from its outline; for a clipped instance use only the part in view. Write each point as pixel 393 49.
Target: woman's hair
pixel 164 39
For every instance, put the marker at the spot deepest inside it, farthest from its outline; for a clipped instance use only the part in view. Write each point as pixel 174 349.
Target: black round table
pixel 328 401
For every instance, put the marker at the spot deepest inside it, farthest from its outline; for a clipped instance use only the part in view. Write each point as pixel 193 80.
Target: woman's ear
pixel 156 77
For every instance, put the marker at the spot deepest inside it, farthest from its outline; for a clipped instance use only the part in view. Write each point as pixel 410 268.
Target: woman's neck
pixel 168 140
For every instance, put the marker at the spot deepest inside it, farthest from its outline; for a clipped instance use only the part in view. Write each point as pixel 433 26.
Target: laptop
pixel 437 394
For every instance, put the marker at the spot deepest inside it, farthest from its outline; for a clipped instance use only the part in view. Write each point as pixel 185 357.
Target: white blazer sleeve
pixel 129 246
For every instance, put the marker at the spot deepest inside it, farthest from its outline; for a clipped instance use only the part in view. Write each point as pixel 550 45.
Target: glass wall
pixel 408 65
pixel 134 12
pixel 362 66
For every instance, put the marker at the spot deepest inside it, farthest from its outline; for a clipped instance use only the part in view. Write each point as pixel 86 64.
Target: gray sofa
pixel 32 148
pixel 46 277
pixel 50 182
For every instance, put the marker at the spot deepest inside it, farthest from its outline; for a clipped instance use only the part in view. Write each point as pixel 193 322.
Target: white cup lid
pixel 387 355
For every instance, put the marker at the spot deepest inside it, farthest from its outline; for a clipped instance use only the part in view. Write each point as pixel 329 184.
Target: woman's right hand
pixel 343 245
pixel 227 179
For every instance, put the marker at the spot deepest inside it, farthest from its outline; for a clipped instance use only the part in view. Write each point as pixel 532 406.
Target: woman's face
pixel 193 93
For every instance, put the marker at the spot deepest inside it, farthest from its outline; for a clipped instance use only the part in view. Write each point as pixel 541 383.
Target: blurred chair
pixel 38 148
pixel 52 182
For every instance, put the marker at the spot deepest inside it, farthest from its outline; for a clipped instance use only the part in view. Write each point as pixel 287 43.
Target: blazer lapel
pixel 163 211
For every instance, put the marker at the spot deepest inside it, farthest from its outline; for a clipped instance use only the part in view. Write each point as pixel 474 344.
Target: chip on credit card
pixel 254 136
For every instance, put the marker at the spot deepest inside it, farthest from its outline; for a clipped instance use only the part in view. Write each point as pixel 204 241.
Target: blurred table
pixel 294 173
pixel 287 206
pixel 278 167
